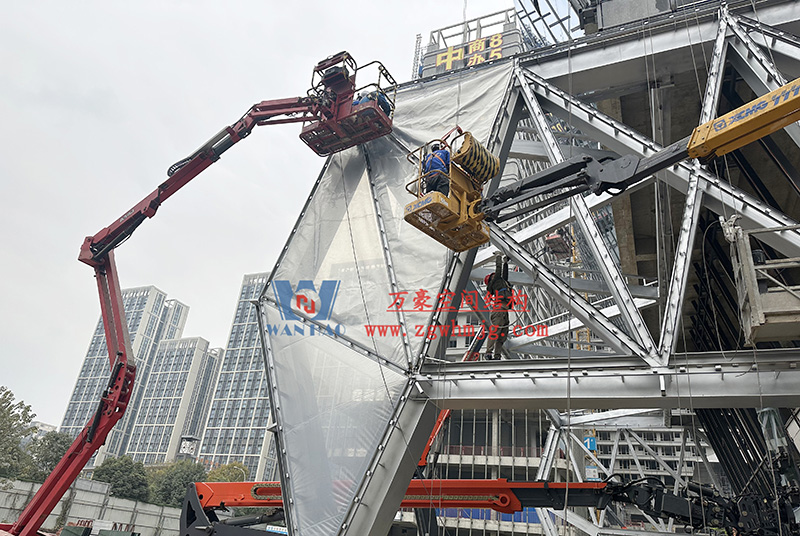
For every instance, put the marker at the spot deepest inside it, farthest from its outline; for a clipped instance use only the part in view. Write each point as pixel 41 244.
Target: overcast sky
pixel 98 98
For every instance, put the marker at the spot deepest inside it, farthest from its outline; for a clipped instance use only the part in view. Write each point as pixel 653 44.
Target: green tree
pixel 127 478
pixel 232 472
pixel 168 484
pixel 45 452
pixel 15 424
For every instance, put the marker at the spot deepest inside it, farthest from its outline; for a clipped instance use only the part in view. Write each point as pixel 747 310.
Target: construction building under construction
pixel 665 340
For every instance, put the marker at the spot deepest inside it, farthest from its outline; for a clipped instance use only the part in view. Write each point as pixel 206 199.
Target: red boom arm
pixel 98 252
pixel 110 409
pixel 698 506
pixel 335 124
pixel 95 248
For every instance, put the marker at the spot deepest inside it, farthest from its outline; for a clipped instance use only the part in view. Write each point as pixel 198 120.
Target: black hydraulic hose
pixel 254 520
pixel 102 250
pixel 178 165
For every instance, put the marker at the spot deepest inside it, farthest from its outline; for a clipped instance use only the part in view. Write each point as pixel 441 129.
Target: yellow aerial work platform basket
pixel 453 220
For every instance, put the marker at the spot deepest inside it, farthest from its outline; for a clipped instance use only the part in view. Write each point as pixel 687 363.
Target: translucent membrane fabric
pixel 331 390
pixel 335 404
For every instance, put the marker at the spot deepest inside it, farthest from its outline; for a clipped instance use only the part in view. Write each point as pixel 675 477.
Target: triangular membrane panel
pixel 333 393
pixel 334 405
pixel 334 270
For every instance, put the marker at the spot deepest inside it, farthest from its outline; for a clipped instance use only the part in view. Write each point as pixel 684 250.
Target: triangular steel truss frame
pixel 645 368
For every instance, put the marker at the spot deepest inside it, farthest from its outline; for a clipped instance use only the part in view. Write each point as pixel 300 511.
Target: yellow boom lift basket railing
pixel 453 220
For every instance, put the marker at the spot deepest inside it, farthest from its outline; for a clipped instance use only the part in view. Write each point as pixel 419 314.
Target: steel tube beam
pixel 756 69
pixel 608 268
pixel 546 225
pixel 718 196
pixel 706 380
pixel 535 150
pixel 739 360
pixel 580 285
pixel 570 299
pixel 543 473
pixel 783 46
pixel 606 418
pixel 526 343
pixel 617 54
pixel 673 306
pixel 631 390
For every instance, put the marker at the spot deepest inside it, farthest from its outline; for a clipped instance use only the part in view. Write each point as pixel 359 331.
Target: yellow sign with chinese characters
pixel 475 52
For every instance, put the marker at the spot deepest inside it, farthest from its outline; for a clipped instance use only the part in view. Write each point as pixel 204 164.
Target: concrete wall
pixel 87 499
pixel 616 12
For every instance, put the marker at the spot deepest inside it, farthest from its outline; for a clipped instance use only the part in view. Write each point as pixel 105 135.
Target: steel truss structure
pixel 631 361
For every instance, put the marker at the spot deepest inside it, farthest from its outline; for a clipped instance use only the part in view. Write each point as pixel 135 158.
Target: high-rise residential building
pixel 151 319
pixel 175 399
pixel 236 429
pixel 39 430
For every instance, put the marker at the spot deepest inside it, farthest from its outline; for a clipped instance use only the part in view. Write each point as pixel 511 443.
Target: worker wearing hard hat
pixel 436 168
pixel 498 292
pixel 377 96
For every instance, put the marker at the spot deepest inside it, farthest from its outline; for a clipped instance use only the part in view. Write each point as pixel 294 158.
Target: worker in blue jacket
pixel 383 102
pixel 437 163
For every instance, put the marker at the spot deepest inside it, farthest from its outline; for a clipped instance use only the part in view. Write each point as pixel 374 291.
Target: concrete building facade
pixel 175 400
pixel 236 425
pixel 151 318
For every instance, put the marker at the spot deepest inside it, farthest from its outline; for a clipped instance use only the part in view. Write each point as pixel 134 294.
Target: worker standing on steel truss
pixel 498 300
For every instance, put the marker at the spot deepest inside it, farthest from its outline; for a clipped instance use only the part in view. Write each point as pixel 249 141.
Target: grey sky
pixel 98 98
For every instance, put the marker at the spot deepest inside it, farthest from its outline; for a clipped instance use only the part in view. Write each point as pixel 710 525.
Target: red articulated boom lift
pixel 332 122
